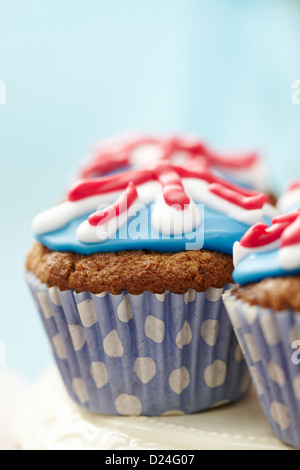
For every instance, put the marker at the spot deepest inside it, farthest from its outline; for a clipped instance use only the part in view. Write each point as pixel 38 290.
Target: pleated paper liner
pixel 147 354
pixel 267 339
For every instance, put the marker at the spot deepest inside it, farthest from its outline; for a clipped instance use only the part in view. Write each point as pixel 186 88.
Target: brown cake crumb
pixel 135 271
pixel 279 293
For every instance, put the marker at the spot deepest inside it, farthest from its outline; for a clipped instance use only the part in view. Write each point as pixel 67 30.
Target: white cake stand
pixel 49 420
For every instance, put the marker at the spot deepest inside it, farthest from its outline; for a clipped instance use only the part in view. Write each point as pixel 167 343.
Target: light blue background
pixel 78 70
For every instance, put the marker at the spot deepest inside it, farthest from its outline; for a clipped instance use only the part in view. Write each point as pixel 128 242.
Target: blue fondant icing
pixel 259 266
pixel 217 232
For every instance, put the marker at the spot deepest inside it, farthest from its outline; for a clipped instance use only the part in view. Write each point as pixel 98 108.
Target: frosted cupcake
pixel 128 275
pixel 264 310
pixel 134 150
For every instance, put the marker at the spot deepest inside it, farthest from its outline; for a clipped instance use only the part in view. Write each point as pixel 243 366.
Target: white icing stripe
pixel 87 233
pixel 59 216
pixel 240 252
pixel 289 201
pixel 289 257
pixel 199 191
pixel 169 221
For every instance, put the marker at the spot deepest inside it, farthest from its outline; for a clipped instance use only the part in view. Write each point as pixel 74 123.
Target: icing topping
pixel 167 199
pixel 122 205
pixel 290 200
pixel 269 251
pixel 127 151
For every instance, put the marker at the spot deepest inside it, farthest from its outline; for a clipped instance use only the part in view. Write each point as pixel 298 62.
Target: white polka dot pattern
pixel 59 347
pixel 45 305
pixel 160 297
pixel 256 380
pixel 179 380
pixel 184 336
pixel 128 405
pixel 99 374
pixel 189 296
pixel 145 369
pixel 209 331
pixel 252 347
pixel 87 313
pixel 148 354
pixel 215 374
pixel 270 330
pixel 54 296
pixel 251 313
pixel 78 336
pixel 80 390
pixel 232 314
pixel 280 414
pixel 276 373
pixel 213 294
pixel 124 311
pixel 155 329
pixel 112 345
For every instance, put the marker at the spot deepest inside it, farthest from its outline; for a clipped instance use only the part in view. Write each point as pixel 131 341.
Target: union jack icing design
pixel 158 207
pixel 135 151
pixel 290 200
pixel 268 251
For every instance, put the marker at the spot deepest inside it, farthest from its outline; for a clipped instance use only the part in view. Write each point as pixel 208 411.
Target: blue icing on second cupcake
pixel 266 252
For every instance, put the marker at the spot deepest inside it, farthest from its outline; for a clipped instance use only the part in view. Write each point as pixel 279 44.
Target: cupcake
pixel 128 275
pixel 135 151
pixel 264 309
pixel 289 201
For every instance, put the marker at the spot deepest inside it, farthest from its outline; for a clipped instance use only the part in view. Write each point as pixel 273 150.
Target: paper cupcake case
pixel 266 338
pixel 147 354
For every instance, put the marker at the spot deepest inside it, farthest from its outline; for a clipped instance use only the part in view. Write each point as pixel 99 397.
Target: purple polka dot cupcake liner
pixel 269 341
pixel 146 354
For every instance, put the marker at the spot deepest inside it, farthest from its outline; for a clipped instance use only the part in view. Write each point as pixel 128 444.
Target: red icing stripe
pixel 121 206
pixel 261 234
pixel 230 195
pixel 173 189
pixel 291 235
pixel 170 176
pixel 116 154
pixel 107 184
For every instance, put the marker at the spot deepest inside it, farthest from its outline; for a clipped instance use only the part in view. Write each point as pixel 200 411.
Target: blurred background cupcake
pixel 135 150
pixel 130 294
pixel 264 309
